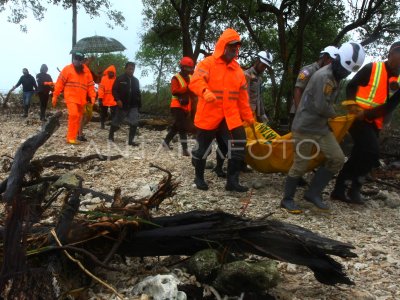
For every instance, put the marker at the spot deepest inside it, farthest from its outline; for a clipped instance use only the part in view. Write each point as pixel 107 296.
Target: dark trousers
pixel 104 113
pixel 365 153
pixel 180 126
pixel 233 142
pixel 44 99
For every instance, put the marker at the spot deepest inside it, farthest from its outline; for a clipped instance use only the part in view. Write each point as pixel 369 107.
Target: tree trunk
pixel 74 21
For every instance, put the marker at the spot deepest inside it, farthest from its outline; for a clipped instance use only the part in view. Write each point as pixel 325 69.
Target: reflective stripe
pixel 233 92
pixel 369 102
pixel 181 80
pixel 217 91
pixel 233 98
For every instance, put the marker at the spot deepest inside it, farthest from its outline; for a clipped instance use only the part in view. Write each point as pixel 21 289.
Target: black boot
pixel 354 192
pixel 26 110
pixel 170 135
pixel 319 182
pixel 113 129
pixel 339 191
pixel 219 167
pixel 232 181
pixel 132 133
pixel 288 196
pixel 245 168
pixel 199 166
pixel 183 138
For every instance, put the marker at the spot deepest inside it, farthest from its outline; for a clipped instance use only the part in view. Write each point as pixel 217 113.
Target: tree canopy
pixel 295 31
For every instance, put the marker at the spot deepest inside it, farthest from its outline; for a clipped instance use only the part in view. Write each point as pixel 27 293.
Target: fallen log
pixel 186 234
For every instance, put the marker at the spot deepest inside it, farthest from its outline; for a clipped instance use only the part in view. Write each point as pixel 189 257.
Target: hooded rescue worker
pixel 126 92
pixel 223 106
pixel 370 87
pixel 76 81
pixel 311 129
pixel 181 104
pixel 28 87
pixel 45 86
pixel 105 96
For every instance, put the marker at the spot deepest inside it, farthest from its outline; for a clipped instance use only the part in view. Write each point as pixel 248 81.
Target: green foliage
pixel 102 61
pixel 19 10
pixel 157 104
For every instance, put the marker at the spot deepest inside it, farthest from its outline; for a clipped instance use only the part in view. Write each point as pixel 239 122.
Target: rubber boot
pixel 170 135
pixel 113 129
pixel 132 133
pixel 183 138
pixel 288 196
pixel 199 166
pixel 339 191
pixel 354 192
pixel 26 109
pixel 232 180
pixel 244 168
pixel 319 182
pixel 219 167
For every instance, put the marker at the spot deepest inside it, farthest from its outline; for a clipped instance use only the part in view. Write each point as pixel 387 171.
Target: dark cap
pixel 234 42
pixel 78 56
pixel 395 47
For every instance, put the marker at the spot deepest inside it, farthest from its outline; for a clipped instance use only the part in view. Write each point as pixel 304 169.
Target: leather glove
pixel 54 101
pixel 248 122
pixel 209 96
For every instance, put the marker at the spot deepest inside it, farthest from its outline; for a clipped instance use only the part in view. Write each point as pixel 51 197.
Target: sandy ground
pixel 373 228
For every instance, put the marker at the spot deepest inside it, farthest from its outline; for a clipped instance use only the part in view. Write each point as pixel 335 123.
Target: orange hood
pixel 227 36
pixel 110 68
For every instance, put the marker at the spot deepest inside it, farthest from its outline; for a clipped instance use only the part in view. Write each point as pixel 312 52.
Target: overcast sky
pixel 49 41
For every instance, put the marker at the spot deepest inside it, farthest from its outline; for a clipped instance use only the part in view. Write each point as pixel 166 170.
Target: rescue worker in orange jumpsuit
pixel 371 87
pixel 105 96
pixel 76 82
pixel 181 104
pixel 223 107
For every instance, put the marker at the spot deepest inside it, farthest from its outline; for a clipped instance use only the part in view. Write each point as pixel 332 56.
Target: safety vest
pixel 175 101
pixel 377 91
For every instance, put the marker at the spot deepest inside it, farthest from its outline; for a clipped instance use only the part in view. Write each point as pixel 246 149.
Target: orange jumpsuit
pixel 227 82
pixel 76 87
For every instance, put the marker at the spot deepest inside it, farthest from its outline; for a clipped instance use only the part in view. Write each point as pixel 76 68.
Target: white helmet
pixel 265 57
pixel 331 51
pixel 352 56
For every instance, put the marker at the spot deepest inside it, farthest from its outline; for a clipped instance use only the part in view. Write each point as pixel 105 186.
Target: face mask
pixel 338 71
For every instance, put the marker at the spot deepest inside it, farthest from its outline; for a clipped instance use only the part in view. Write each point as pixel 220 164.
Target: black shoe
pixel 185 152
pixel 166 146
pixel 291 207
pixel 302 182
pixel 288 195
pixel 232 180
pixel 201 184
pixel 220 172
pixel 133 144
pixel 81 138
pixel 319 182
